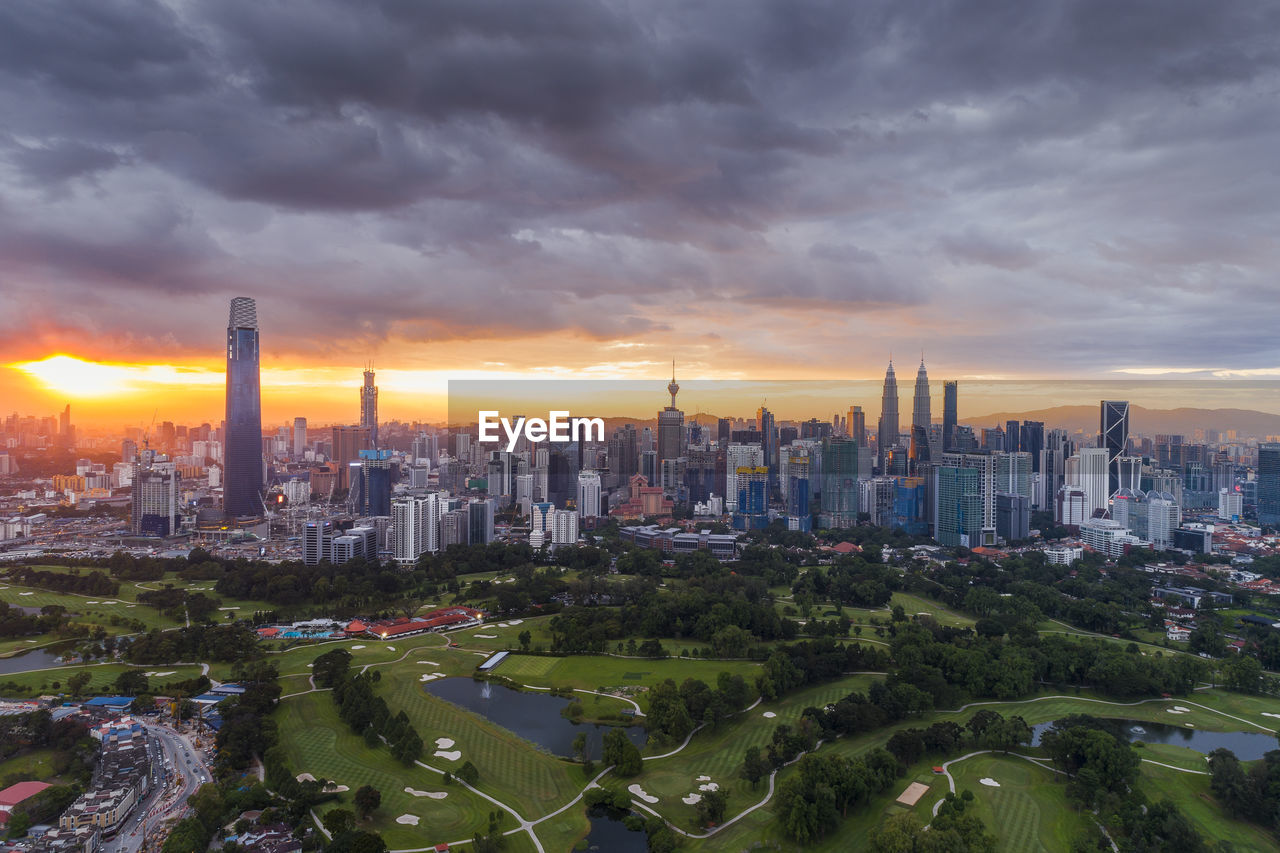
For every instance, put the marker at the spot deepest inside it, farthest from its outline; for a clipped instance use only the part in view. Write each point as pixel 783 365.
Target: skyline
pixel 798 190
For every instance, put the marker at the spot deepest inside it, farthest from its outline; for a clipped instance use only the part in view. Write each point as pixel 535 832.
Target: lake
pixel 609 833
pixel 27 661
pixel 534 716
pixel 1247 746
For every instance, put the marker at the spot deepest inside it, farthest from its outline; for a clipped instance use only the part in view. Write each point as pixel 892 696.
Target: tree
pixel 367 800
pixel 754 766
pixel 338 821
pixel 78 682
pixel 525 638
pixel 468 773
pixel 711 807
pixel 580 747
pixel 621 753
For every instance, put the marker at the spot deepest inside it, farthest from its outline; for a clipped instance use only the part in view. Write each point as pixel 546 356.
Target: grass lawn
pixel 103 677
pixel 512 769
pixel 1029 811
pixel 319 743
pixel 593 672
pixel 88 609
pixel 31 765
pixel 1192 796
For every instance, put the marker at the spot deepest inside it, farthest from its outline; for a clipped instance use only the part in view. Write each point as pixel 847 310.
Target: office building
pixel 348 441
pixel 950 392
pixel 372 496
pixel 1230 504
pixel 454 528
pixel 369 408
pixel 358 542
pixel 1031 441
pixel 317 541
pixel 769 442
pixel 154 510
pixel 910 505
pixel 920 405
pixel 1013 474
pixel 480 517
pixel 857 426
pixel 1013 516
pixel 1092 476
pixel 1268 480
pixel 887 434
pixel 960 507
pixel 1108 536
pixel 839 477
pixel 1113 436
pixel 588 501
pixel 242 442
pixel 299 437
pixel 739 456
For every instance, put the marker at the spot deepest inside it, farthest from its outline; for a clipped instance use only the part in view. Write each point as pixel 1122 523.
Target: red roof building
pixel 15 794
pixel 437 620
pixel 846 548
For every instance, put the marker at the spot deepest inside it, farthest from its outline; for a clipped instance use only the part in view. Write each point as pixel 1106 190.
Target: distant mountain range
pixel 1183 421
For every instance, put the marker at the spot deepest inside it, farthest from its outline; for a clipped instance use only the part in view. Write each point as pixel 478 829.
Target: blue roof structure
pixel 110 701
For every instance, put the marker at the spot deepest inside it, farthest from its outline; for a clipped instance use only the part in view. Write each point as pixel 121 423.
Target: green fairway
pixel 319 743
pixel 54 681
pixel 512 769
pixel 600 672
pixel 1192 796
pixel 1029 811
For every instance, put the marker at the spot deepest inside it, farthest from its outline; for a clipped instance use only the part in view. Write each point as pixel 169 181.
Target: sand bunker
pixel 704 778
pixel 514 621
pixel 691 800
pixel 435 795
pixel 426 676
pixel 306 777
pixel 912 795
pixel 639 793
pixel 989 782
pixel 769 715
pixel 357 647
pixel 485 636
pixel 444 742
pixel 220 608
pixel 408 819
pixel 439 675
pixel 391 648
pixel 428 663
pixel 709 786
pixel 1269 714
pixel 336 789
pixel 26 593
pixel 1190 725
pixel 91 602
pixel 448 754
pixel 152 674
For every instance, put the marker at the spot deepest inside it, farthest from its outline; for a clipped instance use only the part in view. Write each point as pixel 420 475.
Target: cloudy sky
pixel 776 189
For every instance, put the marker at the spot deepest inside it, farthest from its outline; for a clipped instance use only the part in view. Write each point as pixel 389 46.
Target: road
pixel 178 770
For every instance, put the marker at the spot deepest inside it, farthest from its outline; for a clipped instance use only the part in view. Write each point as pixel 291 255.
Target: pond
pixel 534 716
pixel 27 661
pixel 1247 746
pixel 609 833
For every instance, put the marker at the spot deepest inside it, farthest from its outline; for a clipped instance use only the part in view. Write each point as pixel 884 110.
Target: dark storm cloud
pixel 455 170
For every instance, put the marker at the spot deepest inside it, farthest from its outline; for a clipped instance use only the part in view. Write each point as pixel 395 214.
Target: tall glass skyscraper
pixel 242 452
pixel 1113 434
pixel 950 390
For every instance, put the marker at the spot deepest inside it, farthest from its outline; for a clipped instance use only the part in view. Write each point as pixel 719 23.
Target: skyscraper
pixel 299 437
pixel 887 436
pixel 1269 483
pixel 588 502
pixel 671 424
pixel 950 389
pixel 858 426
pixel 920 415
pixel 369 407
pixel 1032 441
pixel 769 441
pixel 1113 434
pixel 242 450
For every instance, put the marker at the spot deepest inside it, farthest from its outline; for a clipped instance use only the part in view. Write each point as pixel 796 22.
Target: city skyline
pixel 749 207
